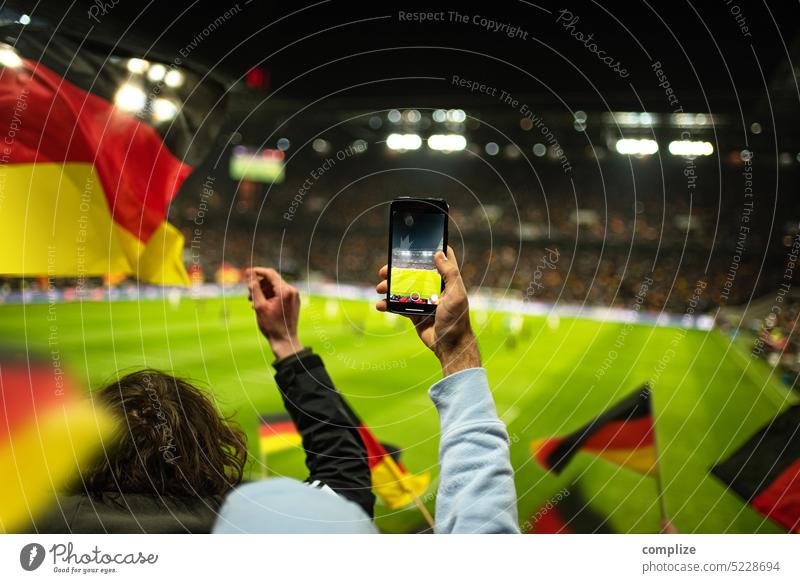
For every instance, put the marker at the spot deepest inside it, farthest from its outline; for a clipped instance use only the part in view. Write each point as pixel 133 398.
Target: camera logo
pixel 31 556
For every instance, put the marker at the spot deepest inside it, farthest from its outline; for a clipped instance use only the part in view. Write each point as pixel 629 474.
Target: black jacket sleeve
pixel 335 453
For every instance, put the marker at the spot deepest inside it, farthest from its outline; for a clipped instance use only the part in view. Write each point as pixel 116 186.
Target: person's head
pixel 172 440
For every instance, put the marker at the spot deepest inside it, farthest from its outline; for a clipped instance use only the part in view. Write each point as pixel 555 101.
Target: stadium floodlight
pixel 403 142
pixel 630 119
pixel 447 142
pixel 692 119
pixel 456 115
pixel 164 109
pixel 156 72
pixel 412 115
pixel 636 147
pixel 130 98
pixel 439 115
pixel 690 148
pixel 173 78
pixel 9 57
pixel 138 66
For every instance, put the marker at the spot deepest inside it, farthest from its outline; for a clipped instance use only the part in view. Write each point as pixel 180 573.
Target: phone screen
pixel 416 237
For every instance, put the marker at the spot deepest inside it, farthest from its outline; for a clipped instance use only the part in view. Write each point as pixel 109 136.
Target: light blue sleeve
pixel 476 482
pixel 285 506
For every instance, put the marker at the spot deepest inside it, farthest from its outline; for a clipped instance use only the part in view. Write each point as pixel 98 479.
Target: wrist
pixel 285 346
pixel 459 356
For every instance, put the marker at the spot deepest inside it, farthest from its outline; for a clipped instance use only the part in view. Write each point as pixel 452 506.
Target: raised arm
pixel 476 484
pixel 335 453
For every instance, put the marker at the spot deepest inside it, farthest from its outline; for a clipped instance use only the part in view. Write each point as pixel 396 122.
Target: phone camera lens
pixel 409 221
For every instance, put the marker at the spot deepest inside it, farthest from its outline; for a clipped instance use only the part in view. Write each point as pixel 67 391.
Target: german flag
pixel 765 471
pixel 568 512
pixel 277 433
pixel 622 435
pixel 391 481
pixel 48 434
pixel 95 147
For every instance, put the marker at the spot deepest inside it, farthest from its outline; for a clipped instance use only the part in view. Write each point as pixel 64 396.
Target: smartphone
pixel 417 230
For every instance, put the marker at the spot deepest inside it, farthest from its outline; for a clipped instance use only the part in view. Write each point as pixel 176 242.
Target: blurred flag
pixel 622 435
pixel 227 274
pixel 277 433
pixel 568 512
pixel 95 148
pixel 391 481
pixel 47 435
pixel 765 471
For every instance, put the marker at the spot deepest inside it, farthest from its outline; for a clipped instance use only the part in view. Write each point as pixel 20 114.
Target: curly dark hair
pixel 171 440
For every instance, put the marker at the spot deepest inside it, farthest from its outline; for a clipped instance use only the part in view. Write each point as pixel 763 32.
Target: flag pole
pixel 423 510
pixel 662 504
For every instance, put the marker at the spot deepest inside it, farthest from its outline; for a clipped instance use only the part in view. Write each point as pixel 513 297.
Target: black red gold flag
pixel 765 471
pixel 622 434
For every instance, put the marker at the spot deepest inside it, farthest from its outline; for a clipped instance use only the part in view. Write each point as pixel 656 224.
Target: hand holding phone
pixel 417 230
pixel 447 332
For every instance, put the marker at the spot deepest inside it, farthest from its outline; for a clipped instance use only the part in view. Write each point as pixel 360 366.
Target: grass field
pixel 709 396
pixel 422 281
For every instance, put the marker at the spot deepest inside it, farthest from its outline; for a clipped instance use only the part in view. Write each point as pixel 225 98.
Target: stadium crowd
pixel 503 223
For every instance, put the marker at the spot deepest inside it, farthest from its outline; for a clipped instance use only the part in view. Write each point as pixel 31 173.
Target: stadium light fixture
pixel 156 72
pixel 9 57
pixel 173 78
pixel 130 98
pixel 439 115
pixel 138 66
pixel 164 110
pixel 456 115
pixel 690 148
pixel 447 142
pixel 636 147
pixel 631 119
pixel 403 142
pixel 692 119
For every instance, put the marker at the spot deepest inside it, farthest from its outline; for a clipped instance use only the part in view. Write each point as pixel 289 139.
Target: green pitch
pixel 547 377
pixel 423 281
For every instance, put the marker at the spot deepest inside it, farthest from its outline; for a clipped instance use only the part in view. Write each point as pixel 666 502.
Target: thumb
pixel 255 288
pixel 446 265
